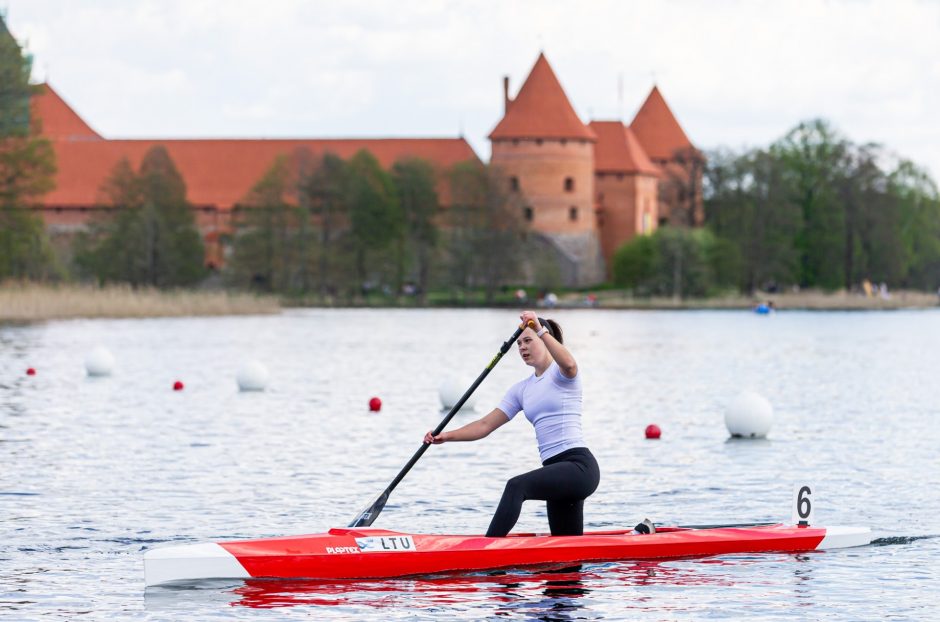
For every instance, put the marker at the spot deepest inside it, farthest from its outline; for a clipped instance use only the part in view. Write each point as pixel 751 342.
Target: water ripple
pixel 96 471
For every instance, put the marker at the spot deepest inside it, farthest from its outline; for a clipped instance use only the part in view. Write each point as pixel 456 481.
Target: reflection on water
pixel 95 471
pixel 580 592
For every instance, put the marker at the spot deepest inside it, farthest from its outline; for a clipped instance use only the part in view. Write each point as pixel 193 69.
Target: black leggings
pixel 564 482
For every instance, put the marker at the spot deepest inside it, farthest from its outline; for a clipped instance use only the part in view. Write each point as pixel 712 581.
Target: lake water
pixel 93 472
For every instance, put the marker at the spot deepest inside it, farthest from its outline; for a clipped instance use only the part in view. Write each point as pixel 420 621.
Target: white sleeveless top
pixel 552 403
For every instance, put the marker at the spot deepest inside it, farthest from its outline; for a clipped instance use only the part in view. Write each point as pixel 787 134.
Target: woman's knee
pixel 515 486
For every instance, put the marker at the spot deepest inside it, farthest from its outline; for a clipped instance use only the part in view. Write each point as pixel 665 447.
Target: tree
pixel 918 205
pixel 417 197
pixel 261 251
pixel 374 215
pixel 814 158
pixel 27 167
pixel 676 261
pixel 748 204
pixel 680 192
pixel 151 237
pixel 486 228
pixel 326 189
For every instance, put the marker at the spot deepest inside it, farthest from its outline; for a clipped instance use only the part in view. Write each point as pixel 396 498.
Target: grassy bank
pixel 806 299
pixel 27 302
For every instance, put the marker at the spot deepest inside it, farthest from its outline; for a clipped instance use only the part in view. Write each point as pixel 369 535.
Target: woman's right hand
pixel 430 439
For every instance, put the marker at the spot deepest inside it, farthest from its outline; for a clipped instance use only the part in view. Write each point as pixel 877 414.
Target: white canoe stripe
pixel 189 562
pixel 845 537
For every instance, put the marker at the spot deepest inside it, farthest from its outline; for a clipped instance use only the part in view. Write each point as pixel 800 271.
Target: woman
pixel 551 400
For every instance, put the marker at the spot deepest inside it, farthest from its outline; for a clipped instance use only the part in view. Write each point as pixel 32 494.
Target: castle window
pixel 514 184
pixel 527 213
pixel 572 213
pixel 569 184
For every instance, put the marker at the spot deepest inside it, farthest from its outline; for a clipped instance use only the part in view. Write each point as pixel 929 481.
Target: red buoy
pixel 178 385
pixel 653 431
pixel 30 372
pixel 375 404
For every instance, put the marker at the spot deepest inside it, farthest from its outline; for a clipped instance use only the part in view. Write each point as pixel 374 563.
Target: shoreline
pixel 808 300
pixel 30 302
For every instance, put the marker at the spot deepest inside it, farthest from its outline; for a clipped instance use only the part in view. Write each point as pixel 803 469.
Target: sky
pixel 736 73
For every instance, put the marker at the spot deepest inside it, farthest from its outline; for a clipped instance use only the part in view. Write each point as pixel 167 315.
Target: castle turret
pixel 682 164
pixel 547 154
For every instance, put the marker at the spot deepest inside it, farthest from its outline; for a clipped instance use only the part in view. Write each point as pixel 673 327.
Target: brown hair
pixel 554 329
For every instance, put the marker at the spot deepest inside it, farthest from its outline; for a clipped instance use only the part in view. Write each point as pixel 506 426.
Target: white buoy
pixel 451 390
pixel 749 415
pixel 252 376
pixel 99 362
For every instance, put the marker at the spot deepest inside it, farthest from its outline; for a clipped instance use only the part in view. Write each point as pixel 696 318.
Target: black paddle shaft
pixel 368 516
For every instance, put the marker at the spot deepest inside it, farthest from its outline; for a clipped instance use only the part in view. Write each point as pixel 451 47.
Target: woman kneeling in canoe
pixel 551 400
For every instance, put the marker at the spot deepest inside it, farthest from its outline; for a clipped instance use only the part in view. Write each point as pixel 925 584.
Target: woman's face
pixel 531 348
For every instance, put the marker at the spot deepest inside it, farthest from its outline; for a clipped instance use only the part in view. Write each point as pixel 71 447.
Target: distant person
pixel 883 291
pixel 551 401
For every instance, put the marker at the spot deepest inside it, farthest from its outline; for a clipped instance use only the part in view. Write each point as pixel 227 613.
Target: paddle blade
pixel 368 514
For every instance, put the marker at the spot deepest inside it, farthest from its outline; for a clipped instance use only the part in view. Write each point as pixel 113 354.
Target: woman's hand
pixel 530 316
pixel 430 439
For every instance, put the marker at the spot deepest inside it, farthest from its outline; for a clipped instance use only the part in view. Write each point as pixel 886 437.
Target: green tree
pixel 814 158
pixel 375 217
pixel 749 206
pixel 326 190
pixel 632 264
pixel 918 205
pixel 676 261
pixel 261 250
pixel 27 167
pixel 486 232
pixel 151 236
pixel 417 197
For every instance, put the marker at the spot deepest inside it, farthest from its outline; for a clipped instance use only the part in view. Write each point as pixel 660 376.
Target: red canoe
pixel 363 553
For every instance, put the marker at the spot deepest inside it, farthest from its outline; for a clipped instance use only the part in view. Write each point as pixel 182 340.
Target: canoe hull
pixel 378 553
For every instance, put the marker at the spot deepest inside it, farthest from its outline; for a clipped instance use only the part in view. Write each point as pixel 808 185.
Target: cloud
pixel 734 72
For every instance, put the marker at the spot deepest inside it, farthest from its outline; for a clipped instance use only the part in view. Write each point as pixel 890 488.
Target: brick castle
pixel 587 188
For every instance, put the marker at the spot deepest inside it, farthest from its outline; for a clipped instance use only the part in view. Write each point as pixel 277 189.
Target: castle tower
pixel 682 164
pixel 547 154
pixel 627 187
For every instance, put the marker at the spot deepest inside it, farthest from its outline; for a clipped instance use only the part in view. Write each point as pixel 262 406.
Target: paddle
pixel 367 516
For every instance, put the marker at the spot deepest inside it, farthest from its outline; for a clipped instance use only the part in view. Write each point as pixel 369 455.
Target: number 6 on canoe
pixel 368 515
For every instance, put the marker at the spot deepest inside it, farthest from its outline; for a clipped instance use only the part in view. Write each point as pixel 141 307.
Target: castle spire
pixel 541 110
pixel 658 130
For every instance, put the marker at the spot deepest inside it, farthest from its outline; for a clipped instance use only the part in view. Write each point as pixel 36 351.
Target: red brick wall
pixel 628 204
pixel 541 168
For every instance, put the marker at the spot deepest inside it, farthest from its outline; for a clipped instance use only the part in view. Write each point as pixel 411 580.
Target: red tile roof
pixel 618 151
pixel 657 129
pixel 217 172
pixel 59 121
pixel 541 110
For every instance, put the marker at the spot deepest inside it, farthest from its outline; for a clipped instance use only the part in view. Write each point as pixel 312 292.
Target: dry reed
pixel 27 302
